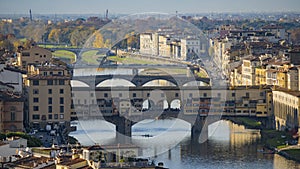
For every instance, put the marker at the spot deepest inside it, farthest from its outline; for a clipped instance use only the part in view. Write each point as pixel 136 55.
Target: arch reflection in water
pixel 230 146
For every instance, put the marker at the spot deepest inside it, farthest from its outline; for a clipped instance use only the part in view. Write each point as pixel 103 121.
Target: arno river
pixel 229 145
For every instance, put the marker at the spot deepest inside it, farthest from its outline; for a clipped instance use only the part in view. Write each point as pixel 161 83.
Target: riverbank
pixel 280 142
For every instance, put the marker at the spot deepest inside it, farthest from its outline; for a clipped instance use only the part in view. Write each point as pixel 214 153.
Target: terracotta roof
pixel 72 162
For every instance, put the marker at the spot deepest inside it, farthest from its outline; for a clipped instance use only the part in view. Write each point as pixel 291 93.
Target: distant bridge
pixel 79 51
pixel 140 80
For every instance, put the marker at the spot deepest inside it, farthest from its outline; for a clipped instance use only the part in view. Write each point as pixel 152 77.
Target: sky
pixel 138 6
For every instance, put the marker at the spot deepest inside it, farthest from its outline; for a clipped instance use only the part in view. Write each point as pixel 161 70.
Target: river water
pixel 229 145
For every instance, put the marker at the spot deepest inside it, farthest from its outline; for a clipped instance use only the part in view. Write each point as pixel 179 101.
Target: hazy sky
pixel 137 6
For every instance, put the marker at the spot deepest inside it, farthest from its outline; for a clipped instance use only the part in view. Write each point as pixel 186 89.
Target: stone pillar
pixel 199 130
pixel 123 129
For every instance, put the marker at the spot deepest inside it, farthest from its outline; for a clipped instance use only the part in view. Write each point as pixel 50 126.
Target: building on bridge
pixel 240 101
pixel 49 95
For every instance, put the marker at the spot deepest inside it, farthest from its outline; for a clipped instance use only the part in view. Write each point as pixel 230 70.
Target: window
pixel 219 94
pixel 61 116
pixel 35 99
pixel 133 94
pixel 85 102
pixel 247 94
pixel 35 91
pixel 61 91
pixel 105 95
pixel 35 82
pixel 59 73
pixel 233 94
pixel 191 95
pixel 61 109
pixel 204 94
pixel 35 116
pixel 49 109
pixel 49 100
pixel 51 73
pixel 61 82
pixel 92 94
pixel 49 91
pixel 55 116
pixel 35 108
pixel 45 73
pixel 12 116
pixel 261 94
pixel 120 94
pixel 61 100
pixel 49 116
pixel 49 82
pixel 148 94
pixel 176 94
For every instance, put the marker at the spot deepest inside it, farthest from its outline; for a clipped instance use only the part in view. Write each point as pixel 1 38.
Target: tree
pixel 98 41
pixel 54 35
pixel 6 44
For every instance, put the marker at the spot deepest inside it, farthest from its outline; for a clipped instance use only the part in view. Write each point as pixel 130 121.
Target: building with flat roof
pixel 49 95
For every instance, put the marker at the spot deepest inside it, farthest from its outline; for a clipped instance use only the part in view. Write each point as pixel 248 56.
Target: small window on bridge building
pixel 204 94
pixel 176 95
pixel 191 95
pixel 105 95
pixel 133 94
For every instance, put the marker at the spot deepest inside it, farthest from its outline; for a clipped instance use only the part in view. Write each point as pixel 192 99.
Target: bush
pixel 31 141
pixel 2 136
pixel 72 140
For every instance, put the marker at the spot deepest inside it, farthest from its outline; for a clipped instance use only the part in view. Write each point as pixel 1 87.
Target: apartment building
pixel 166 44
pixel 34 55
pixel 49 95
pixel 11 109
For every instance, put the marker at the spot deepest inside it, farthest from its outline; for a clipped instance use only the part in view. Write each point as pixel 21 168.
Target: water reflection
pixel 229 146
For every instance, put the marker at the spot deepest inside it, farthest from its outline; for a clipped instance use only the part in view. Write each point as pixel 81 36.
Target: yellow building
pixel 34 55
pixel 49 95
pixel 260 76
pixel 282 79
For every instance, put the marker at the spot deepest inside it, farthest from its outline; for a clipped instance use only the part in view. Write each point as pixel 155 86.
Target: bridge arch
pixel 161 82
pixel 78 83
pixel 115 83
